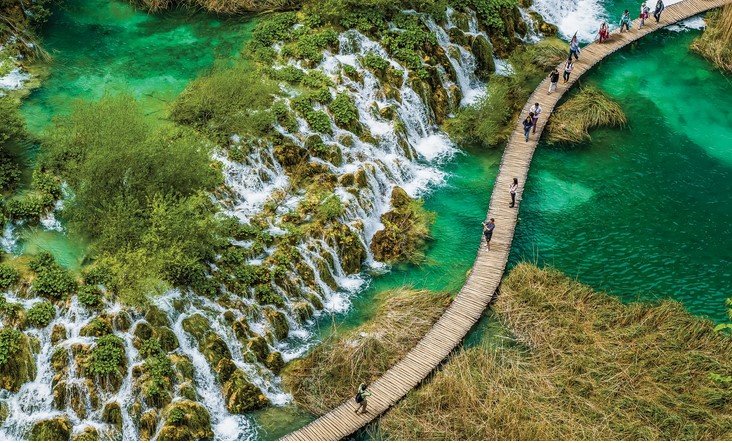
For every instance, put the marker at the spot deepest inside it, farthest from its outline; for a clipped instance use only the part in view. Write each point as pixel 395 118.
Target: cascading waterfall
pixel 405 149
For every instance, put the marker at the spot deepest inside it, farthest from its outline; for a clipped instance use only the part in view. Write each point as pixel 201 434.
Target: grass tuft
pixel 590 108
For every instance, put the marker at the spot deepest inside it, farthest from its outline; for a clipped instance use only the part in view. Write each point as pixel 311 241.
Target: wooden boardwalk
pixel 489 266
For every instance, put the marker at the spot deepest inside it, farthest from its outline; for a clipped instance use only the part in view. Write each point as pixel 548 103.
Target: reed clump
pixel 589 108
pixel 583 366
pixel 715 43
pixel 332 371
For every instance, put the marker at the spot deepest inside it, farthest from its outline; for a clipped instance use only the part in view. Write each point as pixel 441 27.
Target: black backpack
pixel 359 398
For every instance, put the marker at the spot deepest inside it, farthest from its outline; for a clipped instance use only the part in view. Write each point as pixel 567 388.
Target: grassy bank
pixel 589 108
pixel 715 43
pixel 332 372
pixel 584 366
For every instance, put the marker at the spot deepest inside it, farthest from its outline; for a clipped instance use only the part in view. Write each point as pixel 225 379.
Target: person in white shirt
pixel 536 110
pixel 512 190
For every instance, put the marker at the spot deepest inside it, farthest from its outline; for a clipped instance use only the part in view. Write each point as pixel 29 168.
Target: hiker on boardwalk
pixel 528 124
pixel 604 32
pixel 567 70
pixel 659 8
pixel 361 399
pixel 625 21
pixel 536 110
pixel 644 12
pixel 553 80
pixel 488 228
pixel 574 48
pixel 512 190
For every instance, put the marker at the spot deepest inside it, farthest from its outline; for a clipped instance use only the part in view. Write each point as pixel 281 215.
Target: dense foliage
pixel 12 132
pixel 139 194
pixel 41 314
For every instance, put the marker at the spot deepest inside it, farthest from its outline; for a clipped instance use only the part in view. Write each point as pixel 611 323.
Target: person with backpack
pixel 488 228
pixel 363 392
pixel 553 80
pixel 625 21
pixel 659 8
pixel 574 48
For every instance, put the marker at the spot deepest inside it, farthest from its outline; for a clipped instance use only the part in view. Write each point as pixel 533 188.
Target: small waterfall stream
pixel 405 149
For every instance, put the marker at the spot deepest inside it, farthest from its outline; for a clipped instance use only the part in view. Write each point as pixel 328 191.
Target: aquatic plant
pixel 589 108
pixel 332 371
pixel 570 362
pixel 40 314
pixel 715 43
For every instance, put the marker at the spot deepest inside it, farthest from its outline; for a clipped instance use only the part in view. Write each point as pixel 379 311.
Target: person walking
pixel 512 190
pixel 567 70
pixel 536 110
pixel 574 49
pixel 488 228
pixel 553 80
pixel 528 124
pixel 625 21
pixel 361 399
pixel 644 11
pixel 604 32
pixel 659 8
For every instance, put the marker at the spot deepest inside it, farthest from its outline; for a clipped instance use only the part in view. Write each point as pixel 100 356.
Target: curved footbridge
pixel 489 266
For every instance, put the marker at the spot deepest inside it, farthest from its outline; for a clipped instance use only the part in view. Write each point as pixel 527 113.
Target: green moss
pixel 258 346
pixel 89 433
pixel 344 111
pixel 52 281
pixel 53 429
pixel 319 122
pixel 185 420
pixel 274 362
pixel 17 362
pixel 241 395
pixel 196 325
pixel 156 381
pixel 9 277
pixel 406 230
pixel 375 62
pixel 41 314
pixel 278 323
pixel 97 327
pixel 112 414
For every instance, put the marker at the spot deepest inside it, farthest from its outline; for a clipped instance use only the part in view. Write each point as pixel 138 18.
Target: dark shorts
pixel 488 235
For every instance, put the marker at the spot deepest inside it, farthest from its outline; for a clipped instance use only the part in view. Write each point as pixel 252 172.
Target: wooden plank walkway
pixel 489 266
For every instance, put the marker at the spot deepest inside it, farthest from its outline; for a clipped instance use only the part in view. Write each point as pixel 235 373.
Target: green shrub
pixel 107 356
pixel 41 314
pixel 9 344
pixel 319 122
pixel 9 277
pixel 290 74
pixel 274 28
pixel 344 111
pixel 54 283
pixel 330 208
pixel 90 296
pixel 374 61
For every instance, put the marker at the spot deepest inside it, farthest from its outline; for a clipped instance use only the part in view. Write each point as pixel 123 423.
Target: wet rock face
pixel 53 429
pixel 483 51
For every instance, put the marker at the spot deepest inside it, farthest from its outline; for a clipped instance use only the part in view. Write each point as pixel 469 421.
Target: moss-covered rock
pixel 185 420
pixel 214 349
pixel 275 362
pixel 167 338
pixel 278 323
pixel 112 415
pixel 4 412
pixel 348 245
pixel 17 362
pixel 303 311
pixel 143 331
pixel 483 51
pixel 188 391
pixel 241 329
pixel 258 346
pixel 156 317
pixel 89 433
pixel 406 230
pixel 97 327
pixel 58 334
pixel 241 395
pixel 53 429
pixel 122 321
pixel 546 29
pixel 197 325
pixel 148 424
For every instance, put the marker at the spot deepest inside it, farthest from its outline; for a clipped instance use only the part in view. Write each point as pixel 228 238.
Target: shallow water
pixel 642 211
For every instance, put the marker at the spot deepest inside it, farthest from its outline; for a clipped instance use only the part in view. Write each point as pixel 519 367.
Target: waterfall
pixel 399 145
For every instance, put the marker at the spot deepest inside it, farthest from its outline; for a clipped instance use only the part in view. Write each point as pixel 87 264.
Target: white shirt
pixel 536 110
pixel 513 188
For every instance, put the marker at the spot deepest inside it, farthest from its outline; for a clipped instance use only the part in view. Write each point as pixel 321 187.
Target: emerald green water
pixel 102 46
pixel 107 47
pixel 645 210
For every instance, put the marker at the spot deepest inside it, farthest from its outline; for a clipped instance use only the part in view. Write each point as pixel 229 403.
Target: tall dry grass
pixel 589 108
pixel 715 43
pixel 584 367
pixel 331 373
